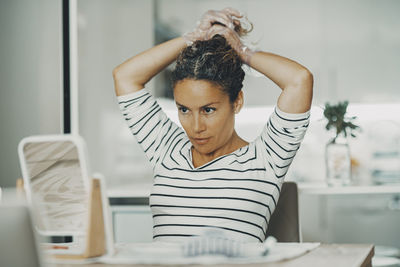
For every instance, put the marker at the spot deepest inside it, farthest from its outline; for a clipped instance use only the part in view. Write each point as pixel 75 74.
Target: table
pixel 326 255
pixel 334 255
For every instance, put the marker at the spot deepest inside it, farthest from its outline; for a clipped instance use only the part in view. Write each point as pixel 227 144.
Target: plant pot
pixel 338 162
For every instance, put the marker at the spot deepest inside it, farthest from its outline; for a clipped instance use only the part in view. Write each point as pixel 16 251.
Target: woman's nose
pixel 198 124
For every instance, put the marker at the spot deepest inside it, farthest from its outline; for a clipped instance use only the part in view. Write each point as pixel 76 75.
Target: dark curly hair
pixel 212 60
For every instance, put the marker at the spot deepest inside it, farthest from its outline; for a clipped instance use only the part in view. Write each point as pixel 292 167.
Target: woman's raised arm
pixel 294 79
pixel 134 73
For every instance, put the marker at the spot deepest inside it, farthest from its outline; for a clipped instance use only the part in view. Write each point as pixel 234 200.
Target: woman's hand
pixel 233 38
pixel 294 79
pixel 209 19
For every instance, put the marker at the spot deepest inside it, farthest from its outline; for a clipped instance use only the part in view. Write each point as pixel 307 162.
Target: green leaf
pixel 335 114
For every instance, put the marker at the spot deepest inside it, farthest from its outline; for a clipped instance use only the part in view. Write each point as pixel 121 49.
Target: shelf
pixel 323 189
pixel 138 190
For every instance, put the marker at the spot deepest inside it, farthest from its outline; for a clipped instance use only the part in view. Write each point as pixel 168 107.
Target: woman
pixel 206 176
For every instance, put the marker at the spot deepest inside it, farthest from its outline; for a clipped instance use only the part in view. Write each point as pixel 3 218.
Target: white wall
pixel 30 76
pixel 110 31
pixel 352 47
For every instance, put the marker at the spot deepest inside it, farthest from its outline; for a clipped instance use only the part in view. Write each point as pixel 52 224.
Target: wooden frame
pixel 96 236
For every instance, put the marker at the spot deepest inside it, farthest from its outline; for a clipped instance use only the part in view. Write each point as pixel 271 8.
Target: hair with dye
pixel 212 60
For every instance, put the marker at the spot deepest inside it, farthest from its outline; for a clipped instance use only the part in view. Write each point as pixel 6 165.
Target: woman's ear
pixel 238 102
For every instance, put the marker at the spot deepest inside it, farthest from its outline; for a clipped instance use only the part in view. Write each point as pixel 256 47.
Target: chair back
pixel 284 222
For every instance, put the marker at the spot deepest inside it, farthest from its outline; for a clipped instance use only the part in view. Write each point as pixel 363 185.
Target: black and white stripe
pixel 235 193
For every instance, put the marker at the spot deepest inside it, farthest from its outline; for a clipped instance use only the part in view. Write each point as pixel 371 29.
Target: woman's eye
pixel 209 110
pixel 183 110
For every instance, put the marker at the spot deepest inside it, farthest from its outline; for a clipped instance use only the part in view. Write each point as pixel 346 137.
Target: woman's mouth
pixel 201 141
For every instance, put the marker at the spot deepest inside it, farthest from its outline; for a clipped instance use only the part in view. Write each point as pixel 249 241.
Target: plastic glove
pixel 233 38
pixel 216 243
pixel 210 18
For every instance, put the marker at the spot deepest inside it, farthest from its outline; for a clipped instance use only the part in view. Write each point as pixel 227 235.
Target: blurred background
pixel 351 47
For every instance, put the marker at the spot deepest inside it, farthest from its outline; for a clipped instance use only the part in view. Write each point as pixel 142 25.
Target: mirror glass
pixel 58 192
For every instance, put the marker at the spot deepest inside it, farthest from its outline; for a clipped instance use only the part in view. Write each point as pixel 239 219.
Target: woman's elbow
pixel 116 73
pixel 304 79
pixel 119 80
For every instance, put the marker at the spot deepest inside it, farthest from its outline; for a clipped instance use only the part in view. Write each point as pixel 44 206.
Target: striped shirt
pixel 235 193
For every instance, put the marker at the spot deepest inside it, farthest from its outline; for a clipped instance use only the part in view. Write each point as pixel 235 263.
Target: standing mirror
pixel 56 182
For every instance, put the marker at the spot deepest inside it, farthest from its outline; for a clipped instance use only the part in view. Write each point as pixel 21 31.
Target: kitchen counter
pixel 329 214
pixel 142 190
pixel 137 190
pixel 324 189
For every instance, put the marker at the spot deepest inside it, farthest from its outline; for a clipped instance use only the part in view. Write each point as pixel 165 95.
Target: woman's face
pixel 205 113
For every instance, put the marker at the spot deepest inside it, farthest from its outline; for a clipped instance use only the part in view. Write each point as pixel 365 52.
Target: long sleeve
pixel 153 130
pixel 281 138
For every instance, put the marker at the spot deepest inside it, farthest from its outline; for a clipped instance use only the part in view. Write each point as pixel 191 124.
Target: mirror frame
pixel 84 168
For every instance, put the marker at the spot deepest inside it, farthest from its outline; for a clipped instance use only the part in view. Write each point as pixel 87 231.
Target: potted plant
pixel 337 150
